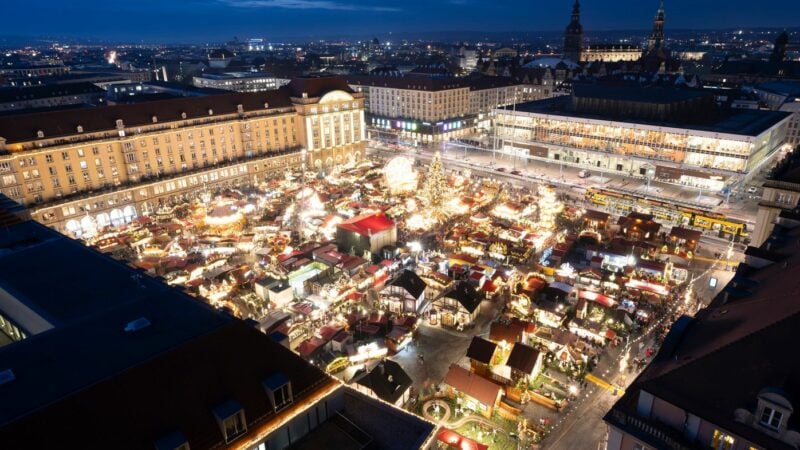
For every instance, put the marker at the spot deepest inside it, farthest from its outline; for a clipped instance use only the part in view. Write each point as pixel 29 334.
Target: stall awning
pixel 647 287
pixel 598 298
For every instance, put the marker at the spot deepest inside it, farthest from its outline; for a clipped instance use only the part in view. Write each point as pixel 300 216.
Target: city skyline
pixel 214 20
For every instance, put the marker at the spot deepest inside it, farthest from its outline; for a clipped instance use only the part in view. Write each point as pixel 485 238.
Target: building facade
pixel 589 130
pixel 109 165
pixel 779 198
pixel 420 109
pixel 610 53
pixel 240 81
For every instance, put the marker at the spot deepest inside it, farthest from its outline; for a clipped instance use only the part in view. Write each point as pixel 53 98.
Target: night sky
pixel 210 20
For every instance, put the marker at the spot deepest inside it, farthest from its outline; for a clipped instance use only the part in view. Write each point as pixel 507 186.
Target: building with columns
pixel 114 163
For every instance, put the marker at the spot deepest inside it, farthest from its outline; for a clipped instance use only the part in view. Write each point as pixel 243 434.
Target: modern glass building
pixel 674 135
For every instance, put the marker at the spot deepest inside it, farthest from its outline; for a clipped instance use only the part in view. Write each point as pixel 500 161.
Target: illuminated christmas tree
pixel 549 207
pixel 435 191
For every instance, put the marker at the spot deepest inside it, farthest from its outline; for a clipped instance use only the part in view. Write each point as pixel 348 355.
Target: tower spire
pixel 656 40
pixel 573 37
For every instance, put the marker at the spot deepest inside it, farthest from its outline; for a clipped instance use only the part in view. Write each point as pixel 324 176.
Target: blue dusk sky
pixel 210 20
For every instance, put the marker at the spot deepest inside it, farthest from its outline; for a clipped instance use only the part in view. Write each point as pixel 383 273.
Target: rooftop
pixel 367 224
pixel 9 95
pixel 24 127
pixel 111 348
pixel 427 83
pixel 746 122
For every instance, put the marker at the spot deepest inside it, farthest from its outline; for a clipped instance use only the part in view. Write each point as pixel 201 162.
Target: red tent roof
pixel 601 299
pixel 366 224
pixel 457 441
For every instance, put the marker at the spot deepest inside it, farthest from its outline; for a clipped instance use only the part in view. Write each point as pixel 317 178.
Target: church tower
pixel 656 40
pixel 573 37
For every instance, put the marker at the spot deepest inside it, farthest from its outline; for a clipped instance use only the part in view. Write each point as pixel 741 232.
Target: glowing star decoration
pixel 400 175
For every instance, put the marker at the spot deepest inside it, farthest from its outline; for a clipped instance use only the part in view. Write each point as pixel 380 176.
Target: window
pixel 771 418
pixel 234 426
pixel 638 446
pixel 722 441
pixel 279 390
pixel 230 417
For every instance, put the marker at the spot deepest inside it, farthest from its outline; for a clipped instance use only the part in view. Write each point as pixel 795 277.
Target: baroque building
pixel 82 168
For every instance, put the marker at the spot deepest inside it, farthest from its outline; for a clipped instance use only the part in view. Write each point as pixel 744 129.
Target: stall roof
pixel 454 440
pixel 598 298
pixel 481 350
pixel 473 385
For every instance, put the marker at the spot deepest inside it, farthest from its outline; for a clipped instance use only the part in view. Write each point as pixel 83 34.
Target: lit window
pixel 722 441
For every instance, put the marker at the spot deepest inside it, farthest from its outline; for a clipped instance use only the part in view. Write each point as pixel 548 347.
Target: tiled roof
pixel 24 127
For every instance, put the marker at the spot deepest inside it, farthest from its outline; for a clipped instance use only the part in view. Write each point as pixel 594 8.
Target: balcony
pixel 650 432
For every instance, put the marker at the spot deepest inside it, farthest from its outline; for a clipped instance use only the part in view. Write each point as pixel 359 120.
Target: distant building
pixel 150 367
pixel 48 96
pixel 239 81
pixel 33 70
pixel 366 234
pixel 576 51
pixel 220 58
pixel 783 96
pixel 430 108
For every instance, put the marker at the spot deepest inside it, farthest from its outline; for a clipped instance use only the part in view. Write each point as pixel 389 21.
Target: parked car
pixel 752 190
pixel 584 174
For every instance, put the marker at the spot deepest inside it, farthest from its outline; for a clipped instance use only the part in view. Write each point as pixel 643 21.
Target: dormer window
pixel 231 420
pixel 40 134
pixel 172 441
pixel 279 390
pixel 183 115
pixel 210 112
pixel 80 129
pixel 771 418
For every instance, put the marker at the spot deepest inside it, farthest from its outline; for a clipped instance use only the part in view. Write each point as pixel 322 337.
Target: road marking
pixel 729 263
pixel 604 384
